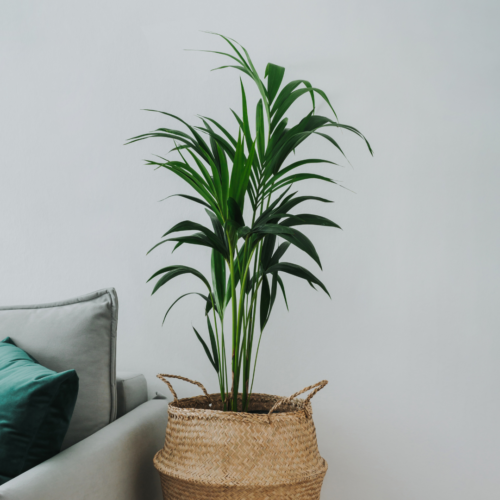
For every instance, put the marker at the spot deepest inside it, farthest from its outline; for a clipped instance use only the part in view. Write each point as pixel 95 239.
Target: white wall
pixel 410 341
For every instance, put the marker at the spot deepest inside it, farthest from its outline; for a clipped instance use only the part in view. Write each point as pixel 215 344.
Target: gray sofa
pixel 115 431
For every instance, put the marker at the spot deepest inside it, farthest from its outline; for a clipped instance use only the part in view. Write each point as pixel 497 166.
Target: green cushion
pixel 36 405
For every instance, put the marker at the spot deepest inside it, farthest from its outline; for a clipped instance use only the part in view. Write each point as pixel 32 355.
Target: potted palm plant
pixel 221 445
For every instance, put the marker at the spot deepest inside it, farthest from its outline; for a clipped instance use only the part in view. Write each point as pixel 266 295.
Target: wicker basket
pixel 211 454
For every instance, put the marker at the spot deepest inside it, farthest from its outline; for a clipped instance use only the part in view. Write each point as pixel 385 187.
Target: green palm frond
pixel 224 171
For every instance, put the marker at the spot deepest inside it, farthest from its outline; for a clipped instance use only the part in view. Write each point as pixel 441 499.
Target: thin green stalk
pixel 252 318
pixel 224 364
pixel 246 370
pixel 220 374
pixel 255 362
pixel 253 307
pixel 238 330
pixel 233 402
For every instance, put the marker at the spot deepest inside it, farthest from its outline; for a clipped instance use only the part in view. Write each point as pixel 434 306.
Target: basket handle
pixel 163 377
pixel 317 387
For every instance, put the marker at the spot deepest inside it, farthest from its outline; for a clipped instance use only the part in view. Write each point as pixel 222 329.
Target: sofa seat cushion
pixel 36 405
pixel 77 334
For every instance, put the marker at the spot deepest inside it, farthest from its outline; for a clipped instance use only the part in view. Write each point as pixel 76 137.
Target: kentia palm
pixel 247 258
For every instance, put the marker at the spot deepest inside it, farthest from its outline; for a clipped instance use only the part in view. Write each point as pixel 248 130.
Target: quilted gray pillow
pixel 77 334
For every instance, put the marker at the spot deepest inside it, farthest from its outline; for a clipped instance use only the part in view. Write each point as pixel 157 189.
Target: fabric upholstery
pixel 77 334
pixel 114 463
pixel 132 391
pixel 36 405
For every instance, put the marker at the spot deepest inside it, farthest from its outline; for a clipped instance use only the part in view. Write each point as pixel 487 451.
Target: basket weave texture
pixel 211 454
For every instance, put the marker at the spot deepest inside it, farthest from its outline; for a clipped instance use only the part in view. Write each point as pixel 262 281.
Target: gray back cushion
pixel 80 334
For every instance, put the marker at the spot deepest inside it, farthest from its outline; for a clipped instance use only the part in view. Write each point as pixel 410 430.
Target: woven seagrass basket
pixel 211 454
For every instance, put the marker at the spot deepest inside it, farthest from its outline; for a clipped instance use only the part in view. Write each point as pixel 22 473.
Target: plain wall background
pixel 410 340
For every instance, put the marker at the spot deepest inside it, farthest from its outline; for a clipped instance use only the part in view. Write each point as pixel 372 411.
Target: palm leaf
pixel 206 349
pixel 300 272
pixel 274 76
pixel 181 297
pixel 171 272
pixel 308 219
pixel 291 235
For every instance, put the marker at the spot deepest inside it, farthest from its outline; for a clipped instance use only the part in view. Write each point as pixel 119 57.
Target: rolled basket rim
pixel 173 406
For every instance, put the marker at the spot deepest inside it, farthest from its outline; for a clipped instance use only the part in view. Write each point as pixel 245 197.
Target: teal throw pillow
pixel 36 405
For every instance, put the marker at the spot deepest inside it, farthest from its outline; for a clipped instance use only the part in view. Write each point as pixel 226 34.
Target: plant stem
pixel 243 282
pixel 232 401
pixel 220 373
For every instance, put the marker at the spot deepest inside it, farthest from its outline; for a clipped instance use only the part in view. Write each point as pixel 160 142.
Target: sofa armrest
pixel 132 391
pixel 114 463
